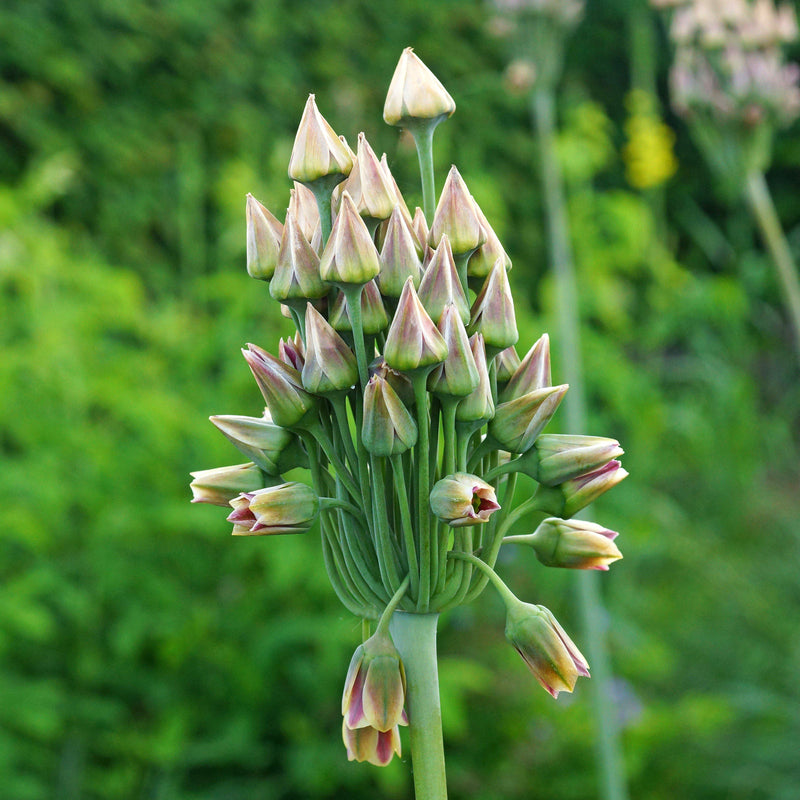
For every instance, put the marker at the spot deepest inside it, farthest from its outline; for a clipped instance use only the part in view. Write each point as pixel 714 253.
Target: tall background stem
pixel 608 748
pixel 414 636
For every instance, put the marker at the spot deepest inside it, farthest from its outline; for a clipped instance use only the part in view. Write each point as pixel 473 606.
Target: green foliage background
pixel 143 653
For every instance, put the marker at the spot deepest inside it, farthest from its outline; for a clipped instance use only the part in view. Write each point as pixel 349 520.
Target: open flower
pixel 369 744
pixel 463 499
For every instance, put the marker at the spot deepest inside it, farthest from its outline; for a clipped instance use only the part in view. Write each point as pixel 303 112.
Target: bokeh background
pixel 146 654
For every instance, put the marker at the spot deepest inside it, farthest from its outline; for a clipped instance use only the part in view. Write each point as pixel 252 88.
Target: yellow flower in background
pixel 648 153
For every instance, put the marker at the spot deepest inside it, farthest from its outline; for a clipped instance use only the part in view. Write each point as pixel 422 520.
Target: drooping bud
pixel 568 498
pixel 375 688
pixel 441 286
pixel 373 315
pixel 479 405
pixel 455 217
pixel 296 277
pixel 574 544
pixel 286 508
pixel 532 373
pixel 281 386
pixel 463 499
pixel 400 257
pixel 264 233
pixel 493 311
pixel 350 256
pixel 330 366
pixel 484 258
pixel 413 341
pixel 457 375
pixel 368 744
pixel 317 152
pixel 220 485
pixel 415 94
pixel 550 654
pixel 266 443
pixel 372 193
pixel 518 422
pixel 388 429
pixel 506 363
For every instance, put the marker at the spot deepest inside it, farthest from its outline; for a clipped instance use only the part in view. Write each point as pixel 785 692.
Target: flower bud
pixel 457 375
pixel 388 428
pixel 264 232
pixel 220 485
pixel 493 311
pixel 373 315
pixel 375 688
pixel 532 373
pixel 296 275
pixel 330 365
pixel 303 206
pixel 413 342
pixel 575 544
pixel 463 499
pixel 368 744
pixel 455 217
pixel 563 457
pixel 420 226
pixel 372 192
pixel 441 286
pixel 317 151
pixel 286 508
pixel 550 654
pixel 398 195
pixel 479 405
pixel 506 363
pixel 350 256
pixel 568 498
pixel 281 386
pixel 484 258
pixel 271 447
pixel 400 256
pixel 292 351
pixel 397 380
pixel 415 94
pixel 518 422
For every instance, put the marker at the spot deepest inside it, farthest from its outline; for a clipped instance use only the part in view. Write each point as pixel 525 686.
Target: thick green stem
pixel 423 138
pixel 414 636
pixel 769 224
pixel 608 747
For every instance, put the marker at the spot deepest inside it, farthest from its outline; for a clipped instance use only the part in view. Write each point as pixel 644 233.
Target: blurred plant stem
pixel 763 209
pixel 414 635
pixel 607 745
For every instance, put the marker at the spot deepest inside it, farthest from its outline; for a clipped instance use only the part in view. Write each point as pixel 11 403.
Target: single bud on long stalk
pixel 415 94
pixel 518 422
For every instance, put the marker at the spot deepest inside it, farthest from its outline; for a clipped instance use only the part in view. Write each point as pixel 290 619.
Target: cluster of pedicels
pixel 729 78
pixel 402 394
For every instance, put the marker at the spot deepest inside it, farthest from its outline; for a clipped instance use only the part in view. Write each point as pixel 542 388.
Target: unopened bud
pixel 455 217
pixel 415 94
pixel 286 508
pixel 457 375
pixel 373 315
pixel 330 366
pixel 518 422
pixel 388 429
pixel 440 285
pixel 479 405
pixel 264 233
pixel 350 257
pixel 220 485
pixel 493 311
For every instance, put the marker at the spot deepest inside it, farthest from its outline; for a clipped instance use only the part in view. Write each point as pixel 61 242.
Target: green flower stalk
pixel 387 392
